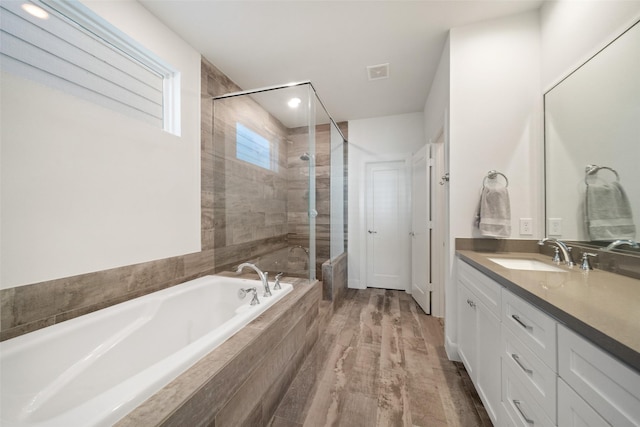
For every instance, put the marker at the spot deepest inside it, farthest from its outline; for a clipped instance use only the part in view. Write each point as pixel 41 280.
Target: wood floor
pixel 380 362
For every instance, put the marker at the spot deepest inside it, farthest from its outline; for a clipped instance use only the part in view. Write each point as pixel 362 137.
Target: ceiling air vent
pixel 377 72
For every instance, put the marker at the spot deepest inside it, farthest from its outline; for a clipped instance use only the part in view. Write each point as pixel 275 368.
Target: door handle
pixel 372 232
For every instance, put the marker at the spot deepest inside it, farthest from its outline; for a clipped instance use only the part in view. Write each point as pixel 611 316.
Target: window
pixel 254 148
pixel 70 48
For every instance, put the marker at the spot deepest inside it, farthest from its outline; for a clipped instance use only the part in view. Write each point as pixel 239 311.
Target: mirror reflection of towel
pixel 494 212
pixel 608 212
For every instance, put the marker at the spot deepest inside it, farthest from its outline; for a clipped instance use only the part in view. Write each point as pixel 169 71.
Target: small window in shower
pixel 253 148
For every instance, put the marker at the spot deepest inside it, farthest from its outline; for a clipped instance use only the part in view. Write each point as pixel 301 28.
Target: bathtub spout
pixel 263 276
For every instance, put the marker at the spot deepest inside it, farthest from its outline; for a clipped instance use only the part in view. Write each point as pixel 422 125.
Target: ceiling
pixel 331 43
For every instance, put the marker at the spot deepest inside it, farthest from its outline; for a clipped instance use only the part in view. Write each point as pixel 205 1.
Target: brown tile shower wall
pixel 335 279
pixel 250 204
pixel 298 196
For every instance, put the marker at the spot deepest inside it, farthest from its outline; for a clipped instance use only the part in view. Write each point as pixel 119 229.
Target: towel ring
pixel 492 174
pixel 593 169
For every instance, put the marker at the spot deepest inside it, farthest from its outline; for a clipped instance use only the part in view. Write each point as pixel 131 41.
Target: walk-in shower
pixel 278 180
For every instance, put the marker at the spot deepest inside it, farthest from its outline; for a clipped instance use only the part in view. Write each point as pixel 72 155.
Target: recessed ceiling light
pixel 34 10
pixel 294 102
pixel 376 72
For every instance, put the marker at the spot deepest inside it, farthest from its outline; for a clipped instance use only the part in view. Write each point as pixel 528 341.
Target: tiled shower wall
pixel 250 203
pixel 257 211
pixel 298 195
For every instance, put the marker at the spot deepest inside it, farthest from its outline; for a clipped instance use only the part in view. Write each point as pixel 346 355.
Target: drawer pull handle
pixel 524 325
pixel 527 419
pixel 517 359
pixel 471 303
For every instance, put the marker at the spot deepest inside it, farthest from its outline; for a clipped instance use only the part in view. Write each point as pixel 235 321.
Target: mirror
pixel 592 148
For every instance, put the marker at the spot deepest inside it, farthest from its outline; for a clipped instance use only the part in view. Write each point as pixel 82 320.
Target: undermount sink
pixel 526 264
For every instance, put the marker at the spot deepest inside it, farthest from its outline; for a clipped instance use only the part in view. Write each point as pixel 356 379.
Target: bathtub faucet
pixel 263 276
pixel 243 292
pixel 276 284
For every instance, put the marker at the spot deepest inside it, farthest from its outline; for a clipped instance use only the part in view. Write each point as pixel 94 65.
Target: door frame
pixel 438 228
pixel 362 201
pixel 421 230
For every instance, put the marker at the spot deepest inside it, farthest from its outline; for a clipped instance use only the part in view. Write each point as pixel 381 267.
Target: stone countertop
pixel 601 306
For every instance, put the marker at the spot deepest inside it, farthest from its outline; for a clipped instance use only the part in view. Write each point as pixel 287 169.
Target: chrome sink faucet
pixel 617 243
pixel 263 276
pixel 564 249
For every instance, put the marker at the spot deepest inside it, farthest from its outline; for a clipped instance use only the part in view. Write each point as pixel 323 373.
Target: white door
pixel 420 287
pixel 438 214
pixel 386 225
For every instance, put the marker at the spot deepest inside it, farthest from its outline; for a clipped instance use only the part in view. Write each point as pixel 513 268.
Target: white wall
pixel 495 110
pixel 573 31
pixel 85 188
pixel 437 105
pixel 381 138
pixel 495 118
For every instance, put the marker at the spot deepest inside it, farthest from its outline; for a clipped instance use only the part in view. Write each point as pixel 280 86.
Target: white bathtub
pixel 94 369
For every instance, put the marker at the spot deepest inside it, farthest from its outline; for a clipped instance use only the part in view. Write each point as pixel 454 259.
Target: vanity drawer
pixel 487 290
pixel 539 379
pixel 531 326
pixel 610 387
pixel 518 402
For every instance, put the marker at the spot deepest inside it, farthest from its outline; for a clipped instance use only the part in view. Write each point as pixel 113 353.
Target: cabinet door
pixel 575 412
pixel 611 388
pixel 488 360
pixel 467 329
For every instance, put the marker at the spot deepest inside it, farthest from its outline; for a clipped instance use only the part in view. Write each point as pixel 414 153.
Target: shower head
pixel 304 156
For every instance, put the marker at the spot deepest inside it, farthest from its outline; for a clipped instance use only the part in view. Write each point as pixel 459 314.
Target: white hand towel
pixel 608 212
pixel 494 212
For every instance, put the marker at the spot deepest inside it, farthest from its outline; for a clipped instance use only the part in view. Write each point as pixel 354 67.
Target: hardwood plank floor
pixel 380 362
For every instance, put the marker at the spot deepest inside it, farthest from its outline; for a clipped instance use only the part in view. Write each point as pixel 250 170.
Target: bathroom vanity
pixel 549 345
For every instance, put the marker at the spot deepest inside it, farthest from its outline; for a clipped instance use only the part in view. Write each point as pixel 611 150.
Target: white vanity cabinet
pixel 479 334
pixel 603 383
pixel 530 369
